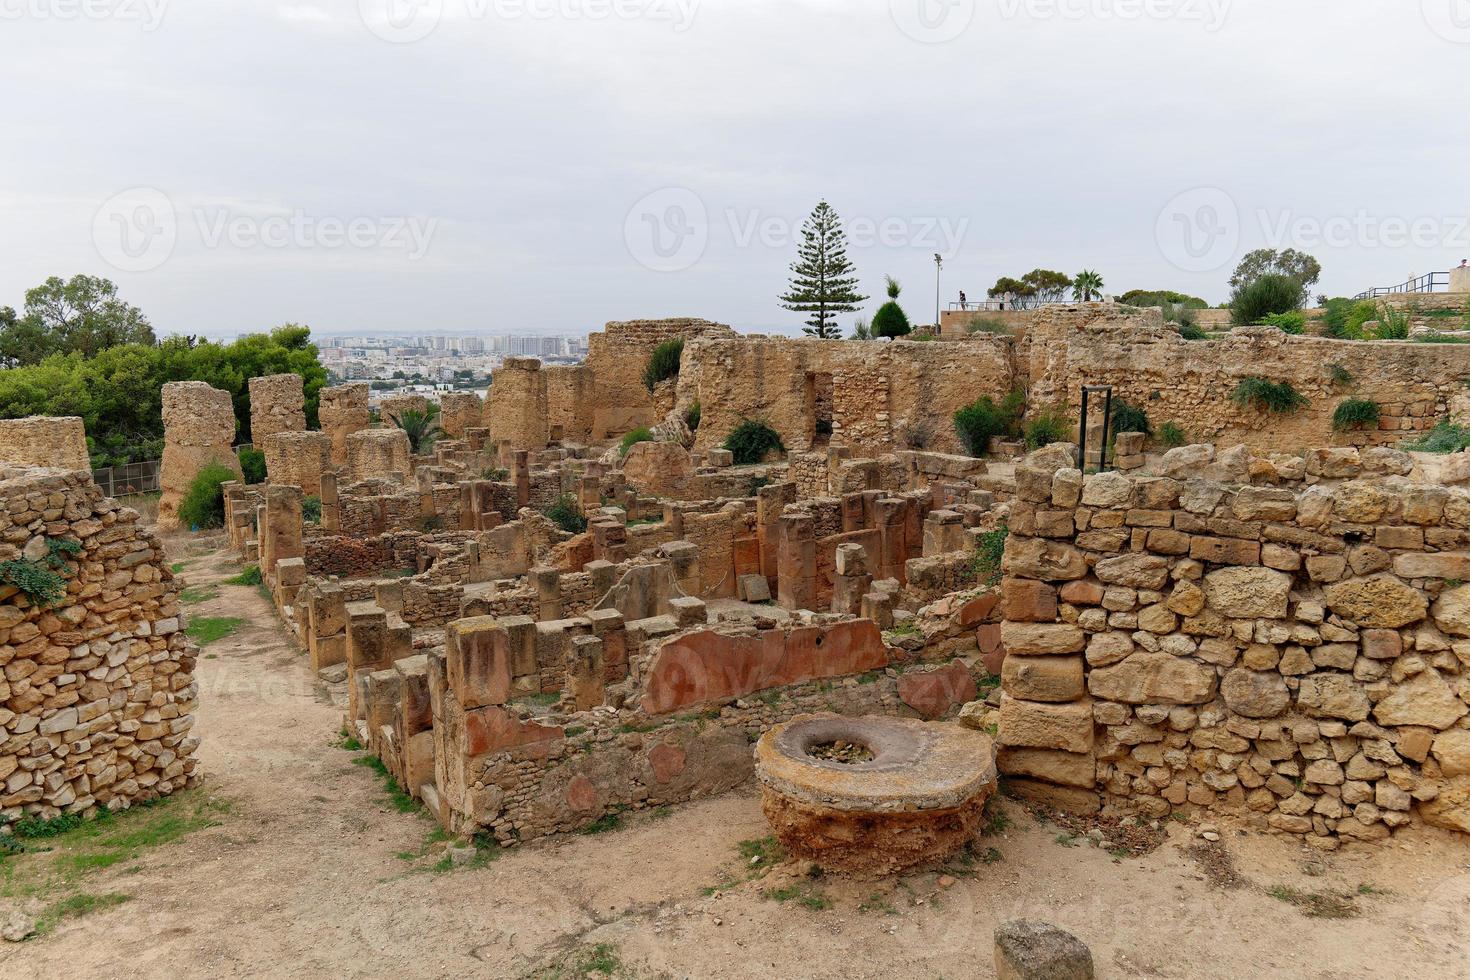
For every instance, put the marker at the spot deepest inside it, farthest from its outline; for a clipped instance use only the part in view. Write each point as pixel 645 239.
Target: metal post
pixel 1082 434
pixel 938 265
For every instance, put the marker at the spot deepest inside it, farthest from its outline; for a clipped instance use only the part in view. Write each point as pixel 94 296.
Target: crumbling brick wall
pixel 1296 657
pixel 298 459
pixel 45 440
pixel 98 690
pixel 616 358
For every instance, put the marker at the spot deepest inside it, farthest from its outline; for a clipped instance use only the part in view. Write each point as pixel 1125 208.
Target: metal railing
pixel 1435 282
pixel 997 305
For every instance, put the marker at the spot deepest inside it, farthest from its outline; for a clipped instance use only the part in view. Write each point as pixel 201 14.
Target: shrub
pixel 422 428
pixel 251 576
pixel 1048 427
pixel 204 502
pixel 252 464
pixel 1257 300
pixel 1191 332
pixel 311 510
pixel 1268 396
pixel 1171 436
pixel 1361 314
pixel 990 549
pixel 1293 322
pixel 988 324
pixel 1442 338
pixel 1393 324
pixel 750 440
pixel 1335 314
pixel 1355 413
pixel 663 363
pixel 891 321
pixel 42 585
pixel 1130 418
pixel 1446 437
pixel 692 415
pixel 979 422
pixel 641 434
pixel 566 515
pixel 1339 375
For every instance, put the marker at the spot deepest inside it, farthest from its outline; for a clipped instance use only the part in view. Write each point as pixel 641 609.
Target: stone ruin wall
pixel 98 690
pixel 299 459
pixel 342 411
pixel 198 429
pixel 277 404
pixel 460 411
pixel 378 454
pixel 1190 382
pixel 885 396
pixel 1299 658
pixel 45 440
pixel 616 357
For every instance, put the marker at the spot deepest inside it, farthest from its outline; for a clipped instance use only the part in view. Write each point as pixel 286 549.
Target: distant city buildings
pixel 437 359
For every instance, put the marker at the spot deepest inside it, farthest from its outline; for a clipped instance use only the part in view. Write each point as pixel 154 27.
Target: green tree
pixel 891 321
pixel 1033 289
pixel 823 279
pixel 81 315
pixel 1263 262
pixel 861 330
pixel 1022 295
pixel 1087 285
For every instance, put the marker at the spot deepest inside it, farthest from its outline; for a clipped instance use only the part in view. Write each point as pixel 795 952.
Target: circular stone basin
pixel 918 798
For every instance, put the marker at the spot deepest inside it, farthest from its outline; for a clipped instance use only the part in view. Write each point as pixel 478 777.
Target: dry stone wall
pixel 98 692
pixel 298 459
pixel 1302 658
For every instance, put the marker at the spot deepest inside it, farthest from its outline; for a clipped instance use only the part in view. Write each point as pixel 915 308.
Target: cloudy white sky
pixel 548 165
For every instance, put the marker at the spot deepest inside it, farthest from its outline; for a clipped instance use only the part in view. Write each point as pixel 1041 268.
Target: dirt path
pixel 306 876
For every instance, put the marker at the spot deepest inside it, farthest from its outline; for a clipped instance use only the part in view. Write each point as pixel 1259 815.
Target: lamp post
pixel 938 265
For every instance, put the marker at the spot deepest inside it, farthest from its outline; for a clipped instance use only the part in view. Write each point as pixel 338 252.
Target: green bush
pixel 1335 314
pixel 204 502
pixel 251 576
pixel 1256 300
pixel 311 510
pixel 990 550
pixel 1442 338
pixel 641 434
pixel 1355 413
pixel 566 515
pixel 1130 418
pixel 692 416
pixel 1048 427
pixel 750 440
pixel 1171 436
pixel 663 363
pixel 1268 396
pixel 1191 332
pixel 1339 375
pixel 980 421
pixel 1444 438
pixel 252 465
pixel 988 324
pixel 1361 314
pixel 1162 297
pixel 41 584
pixel 1393 324
pixel 891 321
pixel 1293 322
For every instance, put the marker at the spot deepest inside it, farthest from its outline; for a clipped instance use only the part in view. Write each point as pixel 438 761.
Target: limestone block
pixel 1255 694
pixel 378 453
pixel 1153 678
pixel 198 429
pixel 57 442
pixel 343 410
pixel 663 469
pixel 1381 601
pixel 298 459
pixel 277 404
pixel 460 411
pixel 1037 725
pixel 1248 593
pixel 1424 699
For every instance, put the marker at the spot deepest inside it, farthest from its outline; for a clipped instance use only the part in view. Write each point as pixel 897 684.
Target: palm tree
pixel 422 428
pixel 1087 285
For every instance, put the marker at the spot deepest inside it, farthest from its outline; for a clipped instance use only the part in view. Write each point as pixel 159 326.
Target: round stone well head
pixel 873 795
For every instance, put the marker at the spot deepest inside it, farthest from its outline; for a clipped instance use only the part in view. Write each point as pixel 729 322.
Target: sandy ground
pixel 303 879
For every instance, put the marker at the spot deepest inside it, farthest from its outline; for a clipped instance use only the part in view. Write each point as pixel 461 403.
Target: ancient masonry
pixel 43 440
pixel 276 405
pixel 198 429
pixel 1300 656
pixel 342 411
pixel 98 691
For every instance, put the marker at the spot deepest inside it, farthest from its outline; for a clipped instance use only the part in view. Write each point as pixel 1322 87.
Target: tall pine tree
pixel 823 279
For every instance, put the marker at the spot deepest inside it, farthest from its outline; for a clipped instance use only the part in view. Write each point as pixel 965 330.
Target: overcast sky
pixel 548 165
